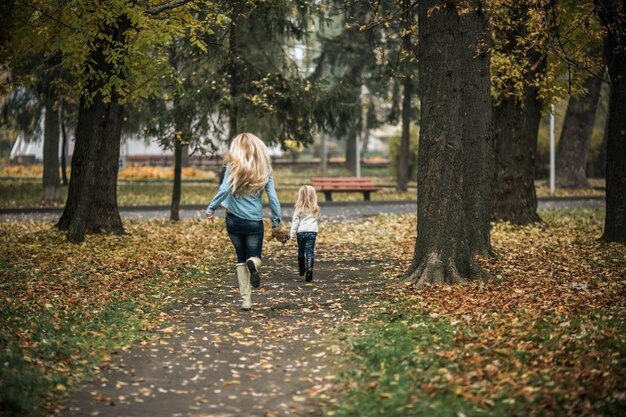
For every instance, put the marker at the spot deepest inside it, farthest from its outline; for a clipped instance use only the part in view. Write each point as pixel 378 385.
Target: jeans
pixel 246 235
pixel 306 244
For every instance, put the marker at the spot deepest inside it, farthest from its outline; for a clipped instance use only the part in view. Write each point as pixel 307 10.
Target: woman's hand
pixel 210 217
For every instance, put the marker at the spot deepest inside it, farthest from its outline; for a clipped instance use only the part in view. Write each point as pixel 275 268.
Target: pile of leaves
pixel 550 339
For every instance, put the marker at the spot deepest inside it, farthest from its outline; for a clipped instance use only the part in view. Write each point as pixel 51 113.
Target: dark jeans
pixel 246 235
pixel 306 244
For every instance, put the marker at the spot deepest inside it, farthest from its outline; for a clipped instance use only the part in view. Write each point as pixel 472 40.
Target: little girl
pixel 304 229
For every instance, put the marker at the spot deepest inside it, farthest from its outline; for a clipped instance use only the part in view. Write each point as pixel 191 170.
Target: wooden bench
pixel 328 185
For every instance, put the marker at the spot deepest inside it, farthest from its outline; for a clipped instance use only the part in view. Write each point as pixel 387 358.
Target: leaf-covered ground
pixel 549 340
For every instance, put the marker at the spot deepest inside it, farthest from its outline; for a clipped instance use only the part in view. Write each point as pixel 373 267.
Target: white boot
pixel 243 277
pixel 254 264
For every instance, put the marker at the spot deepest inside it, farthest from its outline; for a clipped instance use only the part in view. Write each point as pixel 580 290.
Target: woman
pixel 248 173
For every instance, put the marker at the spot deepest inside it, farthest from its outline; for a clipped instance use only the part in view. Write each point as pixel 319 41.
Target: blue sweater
pixel 247 207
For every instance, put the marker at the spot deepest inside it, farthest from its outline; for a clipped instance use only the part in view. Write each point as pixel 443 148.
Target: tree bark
pixel 91 205
pixel 612 14
pixel 516 126
pixel 51 179
pixel 573 149
pixel 453 168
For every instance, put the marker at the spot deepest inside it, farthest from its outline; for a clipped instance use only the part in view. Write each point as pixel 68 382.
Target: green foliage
pixel 137 64
pixel 564 33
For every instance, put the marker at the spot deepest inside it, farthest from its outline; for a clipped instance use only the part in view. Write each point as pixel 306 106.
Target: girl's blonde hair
pixel 250 164
pixel 307 201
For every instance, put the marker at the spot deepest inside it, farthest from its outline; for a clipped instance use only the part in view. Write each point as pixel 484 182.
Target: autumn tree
pixel 38 76
pixel 540 54
pixel 453 168
pixel 114 51
pixel 519 62
pixel 577 42
pixel 612 15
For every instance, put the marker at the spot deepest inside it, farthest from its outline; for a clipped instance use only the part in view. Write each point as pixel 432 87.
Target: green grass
pixel 406 363
pixel 27 192
pixel 397 368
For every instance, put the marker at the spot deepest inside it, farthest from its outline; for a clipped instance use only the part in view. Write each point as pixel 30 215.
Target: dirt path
pixel 215 360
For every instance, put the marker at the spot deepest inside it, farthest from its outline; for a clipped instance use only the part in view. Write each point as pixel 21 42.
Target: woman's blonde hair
pixel 250 164
pixel 307 201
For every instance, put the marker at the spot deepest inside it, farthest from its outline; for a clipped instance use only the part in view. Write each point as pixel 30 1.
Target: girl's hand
pixel 210 217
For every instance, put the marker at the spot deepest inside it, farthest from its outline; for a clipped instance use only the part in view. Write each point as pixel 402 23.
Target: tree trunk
pixel 63 151
pixel 612 14
pixel 351 152
pixel 407 91
pixel 51 179
pixel 516 126
pixel 453 168
pixel 184 155
pixel 573 149
pixel 177 187
pixel 404 154
pixel 91 205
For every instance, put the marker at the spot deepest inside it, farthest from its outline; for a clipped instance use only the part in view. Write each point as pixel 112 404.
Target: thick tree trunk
pixel 91 205
pixel 613 16
pixel 452 207
pixel 51 179
pixel 516 126
pixel 573 149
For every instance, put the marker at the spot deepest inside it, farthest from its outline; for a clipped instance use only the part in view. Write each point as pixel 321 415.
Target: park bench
pixel 328 185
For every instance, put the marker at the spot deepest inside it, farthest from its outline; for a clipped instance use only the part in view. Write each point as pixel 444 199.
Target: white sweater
pixel 303 223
